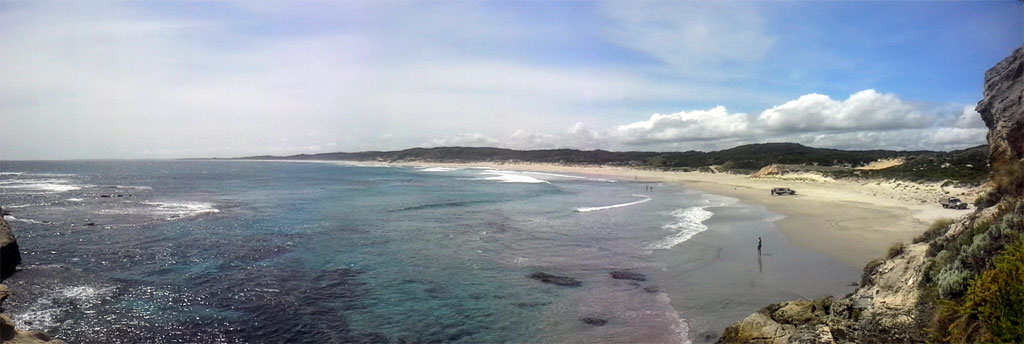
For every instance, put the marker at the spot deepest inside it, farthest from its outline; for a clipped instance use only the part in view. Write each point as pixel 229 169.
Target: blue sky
pixel 203 79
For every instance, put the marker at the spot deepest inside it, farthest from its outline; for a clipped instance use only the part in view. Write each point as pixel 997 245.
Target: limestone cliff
pixel 1002 110
pixel 898 299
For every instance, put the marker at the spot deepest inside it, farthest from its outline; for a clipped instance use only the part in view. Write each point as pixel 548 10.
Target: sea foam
pixel 18 219
pixel 438 169
pixel 613 206
pixel 510 177
pixel 40 185
pixel 178 210
pixel 689 222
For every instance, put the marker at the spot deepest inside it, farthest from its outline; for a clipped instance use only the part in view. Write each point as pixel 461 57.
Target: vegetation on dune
pixel 969 166
pixel 966 166
pixel 937 229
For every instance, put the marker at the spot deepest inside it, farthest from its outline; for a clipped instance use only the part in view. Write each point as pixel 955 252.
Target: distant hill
pixel 969 165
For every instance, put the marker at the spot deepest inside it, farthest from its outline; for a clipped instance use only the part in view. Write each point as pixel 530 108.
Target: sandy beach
pixel 851 221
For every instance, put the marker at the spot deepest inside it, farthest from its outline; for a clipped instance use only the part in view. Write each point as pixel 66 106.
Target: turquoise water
pixel 249 251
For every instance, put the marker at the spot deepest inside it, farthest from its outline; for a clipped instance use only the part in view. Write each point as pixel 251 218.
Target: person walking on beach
pixel 759 246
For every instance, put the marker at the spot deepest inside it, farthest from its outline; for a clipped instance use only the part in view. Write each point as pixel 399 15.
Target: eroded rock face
pixel 1002 110
pixel 10 256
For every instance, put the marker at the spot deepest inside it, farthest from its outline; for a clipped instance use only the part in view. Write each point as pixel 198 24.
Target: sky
pixel 126 80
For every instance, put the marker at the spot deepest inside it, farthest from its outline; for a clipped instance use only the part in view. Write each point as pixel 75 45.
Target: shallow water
pixel 242 251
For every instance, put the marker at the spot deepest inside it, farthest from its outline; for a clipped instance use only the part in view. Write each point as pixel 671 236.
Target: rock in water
pixel 1003 111
pixel 555 279
pixel 594 321
pixel 10 257
pixel 626 275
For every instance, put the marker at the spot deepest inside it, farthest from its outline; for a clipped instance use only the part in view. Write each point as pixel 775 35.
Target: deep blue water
pixel 270 252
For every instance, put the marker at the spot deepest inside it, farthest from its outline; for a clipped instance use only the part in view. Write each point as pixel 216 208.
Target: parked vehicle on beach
pixel 782 191
pixel 952 203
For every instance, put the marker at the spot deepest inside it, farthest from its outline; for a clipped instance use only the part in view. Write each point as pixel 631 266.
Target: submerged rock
pixel 594 321
pixel 627 275
pixel 555 279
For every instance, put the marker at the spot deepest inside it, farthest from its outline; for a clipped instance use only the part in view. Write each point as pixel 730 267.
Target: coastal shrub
pixel 1008 181
pixel 895 250
pixel 987 244
pixel 865 277
pixel 993 308
pixel 987 199
pixel 937 229
pixel 952 279
pixel 936 246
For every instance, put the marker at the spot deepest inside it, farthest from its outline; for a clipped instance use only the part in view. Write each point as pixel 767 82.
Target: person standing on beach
pixel 759 246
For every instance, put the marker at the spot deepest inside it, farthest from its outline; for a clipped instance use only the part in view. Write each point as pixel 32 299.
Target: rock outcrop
pixel 10 256
pixel 1002 110
pixel 555 279
pixel 885 308
pixel 889 307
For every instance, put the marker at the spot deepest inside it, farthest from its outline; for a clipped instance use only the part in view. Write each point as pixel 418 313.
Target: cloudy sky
pixel 203 79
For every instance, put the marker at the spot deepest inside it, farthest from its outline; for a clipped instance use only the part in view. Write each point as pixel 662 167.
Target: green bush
pixel 993 308
pixel 937 229
pixel 987 244
pixel 987 199
pixel 895 250
pixel 865 277
pixel 952 280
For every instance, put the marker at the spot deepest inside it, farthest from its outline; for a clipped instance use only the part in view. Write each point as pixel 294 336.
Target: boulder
pixel 758 328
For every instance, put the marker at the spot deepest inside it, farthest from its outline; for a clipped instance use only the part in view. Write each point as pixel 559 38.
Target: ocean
pixel 271 251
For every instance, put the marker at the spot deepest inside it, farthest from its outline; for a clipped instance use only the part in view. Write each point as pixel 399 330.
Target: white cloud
pixel 969 118
pixel 697 125
pixel 864 110
pixel 865 120
pixel 464 140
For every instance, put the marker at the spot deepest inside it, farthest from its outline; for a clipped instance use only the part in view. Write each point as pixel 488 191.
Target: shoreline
pixel 852 221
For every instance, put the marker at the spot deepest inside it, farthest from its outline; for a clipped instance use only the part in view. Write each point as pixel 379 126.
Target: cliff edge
pixel 960 281
pixel 10 257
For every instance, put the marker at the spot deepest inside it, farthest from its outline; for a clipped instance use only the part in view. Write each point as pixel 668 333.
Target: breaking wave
pixel 620 205
pixel 510 177
pixel 689 222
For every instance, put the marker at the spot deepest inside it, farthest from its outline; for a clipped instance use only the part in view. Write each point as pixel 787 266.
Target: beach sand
pixel 852 221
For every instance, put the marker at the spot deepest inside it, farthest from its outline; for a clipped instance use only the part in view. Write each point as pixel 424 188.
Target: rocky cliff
pixel 1002 110
pixel 9 258
pixel 950 285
